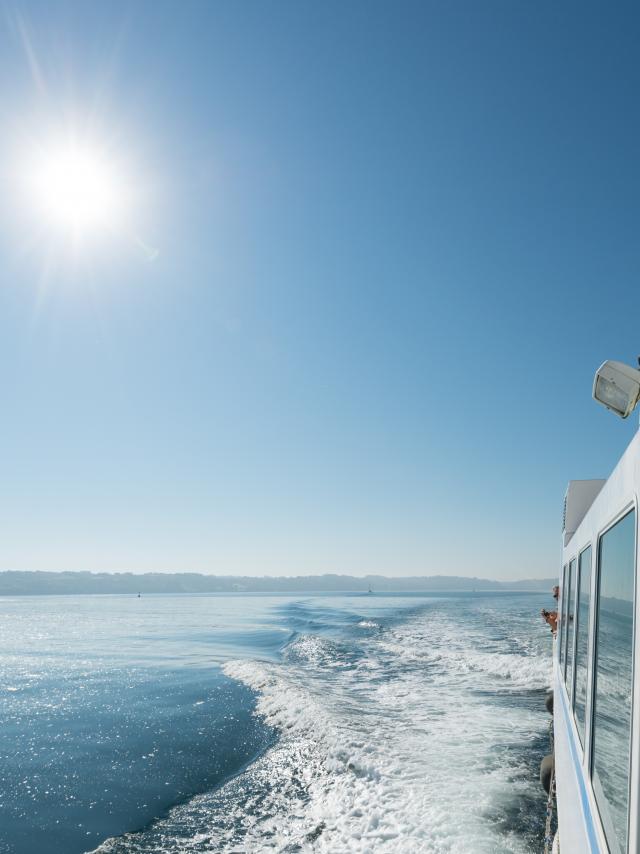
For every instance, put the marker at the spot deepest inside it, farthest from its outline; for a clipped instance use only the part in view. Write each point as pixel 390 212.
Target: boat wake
pixel 420 734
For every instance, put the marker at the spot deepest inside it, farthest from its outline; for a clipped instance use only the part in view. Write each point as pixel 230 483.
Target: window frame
pixel 564 619
pixel 629 507
pixel 572 563
pixel 590 639
pixel 560 606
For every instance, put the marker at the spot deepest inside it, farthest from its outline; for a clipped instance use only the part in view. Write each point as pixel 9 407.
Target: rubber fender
pixel 548 702
pixel 546 767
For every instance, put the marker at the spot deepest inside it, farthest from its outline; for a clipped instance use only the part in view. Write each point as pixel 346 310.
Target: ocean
pixel 258 723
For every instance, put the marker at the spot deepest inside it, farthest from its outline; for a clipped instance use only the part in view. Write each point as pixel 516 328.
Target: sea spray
pixel 415 730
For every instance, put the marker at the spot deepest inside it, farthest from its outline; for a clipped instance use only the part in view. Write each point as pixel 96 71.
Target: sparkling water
pixel 249 723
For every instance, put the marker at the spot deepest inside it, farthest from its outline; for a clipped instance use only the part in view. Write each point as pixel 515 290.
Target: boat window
pixel 583 599
pixel 614 679
pixel 570 624
pixel 560 609
pixel 566 591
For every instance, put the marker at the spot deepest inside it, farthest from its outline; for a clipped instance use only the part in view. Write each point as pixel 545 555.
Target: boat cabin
pixel 596 686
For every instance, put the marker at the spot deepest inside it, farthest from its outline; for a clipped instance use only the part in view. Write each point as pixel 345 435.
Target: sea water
pixel 250 723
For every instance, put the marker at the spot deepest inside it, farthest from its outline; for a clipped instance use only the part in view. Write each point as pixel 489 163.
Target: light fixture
pixel 617 386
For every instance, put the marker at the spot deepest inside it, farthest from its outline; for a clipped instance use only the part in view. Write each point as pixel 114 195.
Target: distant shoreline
pixel 17 583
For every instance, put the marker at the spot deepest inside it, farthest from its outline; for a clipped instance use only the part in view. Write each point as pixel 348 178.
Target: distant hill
pixel 42 583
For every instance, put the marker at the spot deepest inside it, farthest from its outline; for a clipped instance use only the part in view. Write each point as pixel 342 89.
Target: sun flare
pixel 75 186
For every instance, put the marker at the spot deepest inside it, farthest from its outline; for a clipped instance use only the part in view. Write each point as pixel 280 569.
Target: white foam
pixel 405 748
pixel 404 759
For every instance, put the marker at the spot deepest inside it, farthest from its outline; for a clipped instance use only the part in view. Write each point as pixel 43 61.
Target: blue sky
pixel 394 241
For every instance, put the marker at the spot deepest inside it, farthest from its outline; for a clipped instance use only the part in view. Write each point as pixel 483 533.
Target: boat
pixel 596 687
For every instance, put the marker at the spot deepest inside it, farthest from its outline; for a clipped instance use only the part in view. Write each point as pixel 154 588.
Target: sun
pixel 74 186
pixel 78 191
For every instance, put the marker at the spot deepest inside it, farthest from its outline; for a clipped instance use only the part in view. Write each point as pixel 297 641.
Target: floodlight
pixel 617 386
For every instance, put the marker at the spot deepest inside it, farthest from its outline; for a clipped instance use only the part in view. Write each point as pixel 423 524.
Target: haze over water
pixel 272 723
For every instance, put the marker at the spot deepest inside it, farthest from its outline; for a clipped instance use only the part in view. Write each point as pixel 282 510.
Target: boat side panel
pixel 575 822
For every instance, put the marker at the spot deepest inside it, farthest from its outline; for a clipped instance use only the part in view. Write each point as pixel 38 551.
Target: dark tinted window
pixel 582 639
pixel 614 675
pixel 570 625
